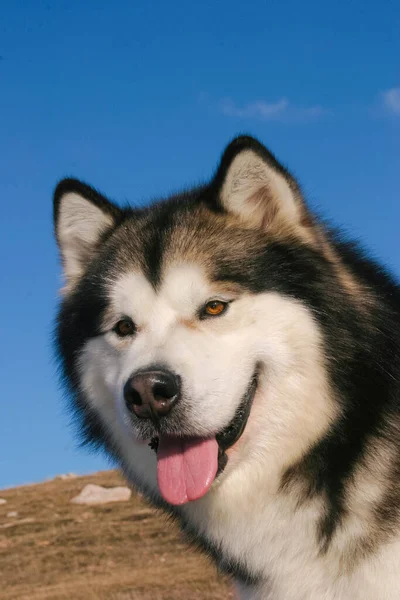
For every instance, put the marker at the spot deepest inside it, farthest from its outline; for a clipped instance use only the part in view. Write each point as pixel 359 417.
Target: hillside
pixel 52 549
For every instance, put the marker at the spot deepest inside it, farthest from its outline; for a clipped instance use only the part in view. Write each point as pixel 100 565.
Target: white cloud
pixel 391 101
pixel 281 110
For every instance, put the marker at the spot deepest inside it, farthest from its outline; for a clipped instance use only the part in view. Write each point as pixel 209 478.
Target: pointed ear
pixel 81 217
pixel 253 185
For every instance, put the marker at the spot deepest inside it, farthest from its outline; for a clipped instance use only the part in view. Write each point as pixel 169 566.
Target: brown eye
pixel 214 308
pixel 125 327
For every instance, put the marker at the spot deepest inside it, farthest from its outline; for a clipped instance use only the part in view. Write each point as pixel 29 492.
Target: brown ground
pixel 121 551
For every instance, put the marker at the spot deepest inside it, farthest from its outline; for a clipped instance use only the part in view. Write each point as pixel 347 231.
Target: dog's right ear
pixel 81 217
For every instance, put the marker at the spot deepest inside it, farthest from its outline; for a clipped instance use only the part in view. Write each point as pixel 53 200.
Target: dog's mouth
pixel 187 467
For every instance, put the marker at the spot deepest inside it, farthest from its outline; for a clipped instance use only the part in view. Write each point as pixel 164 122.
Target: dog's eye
pixel 214 308
pixel 125 327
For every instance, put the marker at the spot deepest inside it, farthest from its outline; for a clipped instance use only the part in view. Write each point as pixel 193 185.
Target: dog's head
pixel 190 325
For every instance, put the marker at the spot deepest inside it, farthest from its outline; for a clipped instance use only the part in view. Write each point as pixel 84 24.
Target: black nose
pixel 152 394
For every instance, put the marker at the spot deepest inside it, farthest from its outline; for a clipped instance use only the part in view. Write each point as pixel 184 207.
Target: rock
pixel 12 513
pixel 66 476
pixel 96 494
pixel 3 501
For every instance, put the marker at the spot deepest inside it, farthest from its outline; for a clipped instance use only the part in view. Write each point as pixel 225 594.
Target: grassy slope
pixel 121 551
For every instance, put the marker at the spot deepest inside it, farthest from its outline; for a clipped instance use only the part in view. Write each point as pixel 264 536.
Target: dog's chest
pixel 279 547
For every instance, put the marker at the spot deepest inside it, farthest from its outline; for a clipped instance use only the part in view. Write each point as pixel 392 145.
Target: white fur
pixel 243 512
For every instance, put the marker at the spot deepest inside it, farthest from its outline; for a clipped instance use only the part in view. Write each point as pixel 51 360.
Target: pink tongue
pixel 186 467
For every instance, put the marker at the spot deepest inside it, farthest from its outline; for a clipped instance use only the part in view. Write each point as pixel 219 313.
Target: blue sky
pixel 139 98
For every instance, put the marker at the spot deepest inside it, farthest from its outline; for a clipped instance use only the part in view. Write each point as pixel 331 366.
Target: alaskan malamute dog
pixel 242 363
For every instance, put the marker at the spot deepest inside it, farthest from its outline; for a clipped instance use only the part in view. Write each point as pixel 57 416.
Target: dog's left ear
pixel 252 184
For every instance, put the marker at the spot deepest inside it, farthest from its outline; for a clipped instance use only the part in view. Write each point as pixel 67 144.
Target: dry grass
pixel 55 550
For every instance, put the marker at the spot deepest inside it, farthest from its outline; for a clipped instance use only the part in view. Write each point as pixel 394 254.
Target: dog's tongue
pixel 186 467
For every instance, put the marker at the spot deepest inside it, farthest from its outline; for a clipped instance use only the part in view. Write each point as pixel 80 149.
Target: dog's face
pixel 187 325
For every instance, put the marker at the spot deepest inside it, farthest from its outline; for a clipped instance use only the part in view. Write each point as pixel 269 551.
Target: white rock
pixel 3 501
pixel 66 476
pixel 12 513
pixel 96 494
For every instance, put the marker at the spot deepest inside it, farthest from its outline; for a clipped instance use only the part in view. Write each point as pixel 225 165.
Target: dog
pixel 241 362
